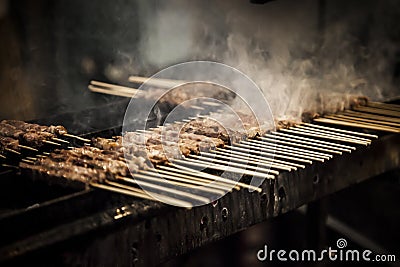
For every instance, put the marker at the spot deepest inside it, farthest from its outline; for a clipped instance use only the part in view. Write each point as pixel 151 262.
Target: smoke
pixel 280 45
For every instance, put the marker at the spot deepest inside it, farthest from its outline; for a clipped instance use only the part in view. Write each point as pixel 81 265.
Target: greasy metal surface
pixel 151 233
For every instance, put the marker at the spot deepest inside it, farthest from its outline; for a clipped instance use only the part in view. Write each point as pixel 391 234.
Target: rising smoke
pixel 293 50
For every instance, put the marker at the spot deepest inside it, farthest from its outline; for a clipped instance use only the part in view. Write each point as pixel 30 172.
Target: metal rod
pixel 341 130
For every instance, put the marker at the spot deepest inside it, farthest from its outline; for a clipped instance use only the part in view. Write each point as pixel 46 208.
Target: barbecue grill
pixel 55 215
pixel 41 217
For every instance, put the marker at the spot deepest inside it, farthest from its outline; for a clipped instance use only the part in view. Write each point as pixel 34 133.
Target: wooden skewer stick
pixel 383 123
pixel 46 153
pixel 28 161
pixel 3 157
pixel 235 157
pixel 60 140
pixel 183 181
pixel 378 111
pixel 340 130
pixel 31 158
pixel 265 156
pixel 257 161
pixel 218 178
pixel 109 92
pixel 357 125
pixel 384 106
pixel 209 177
pixel 306 152
pixel 210 157
pixel 285 164
pixel 115 87
pixel 277 148
pixel 28 147
pixel 51 143
pixel 136 180
pixel 10 166
pixel 369 116
pixel 157 82
pixel 77 137
pixel 301 139
pixel 196 163
pixel 157 197
pixel 122 191
pixel 194 180
pixel 12 151
pixel 271 154
pixel 325 132
pixel 324 136
pixel 303 145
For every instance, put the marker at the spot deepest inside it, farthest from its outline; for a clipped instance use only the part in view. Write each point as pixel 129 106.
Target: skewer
pixel 162 188
pixel 31 158
pixel 10 166
pixel 157 197
pixel 358 125
pixel 28 147
pixel 210 165
pixel 191 179
pixel 115 87
pixel 212 104
pixel 122 191
pixel 51 143
pixel 3 157
pixel 286 164
pixel 306 152
pixel 218 178
pixel 158 82
pixel 324 136
pixel 277 153
pixel 384 105
pixel 109 92
pixel 28 161
pixel 196 107
pixel 257 161
pixel 46 153
pixel 378 111
pixel 12 151
pixel 240 165
pixel 295 138
pixel 303 145
pixel 340 130
pixel 77 137
pixel 309 154
pixel 60 140
pixel 325 132
pixel 209 177
pixel 231 156
pixel 251 150
pixel 369 116
pixel 183 182
pixel 274 155
pixel 362 120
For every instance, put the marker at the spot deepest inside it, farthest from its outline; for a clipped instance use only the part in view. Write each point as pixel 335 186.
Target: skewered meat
pixel 8 143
